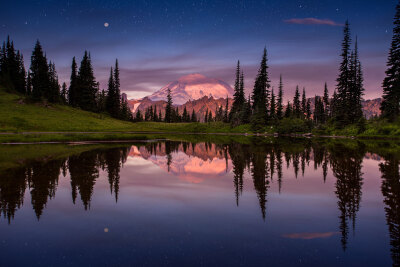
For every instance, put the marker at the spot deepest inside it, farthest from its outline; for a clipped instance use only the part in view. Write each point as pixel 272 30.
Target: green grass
pixel 17 114
pixel 374 129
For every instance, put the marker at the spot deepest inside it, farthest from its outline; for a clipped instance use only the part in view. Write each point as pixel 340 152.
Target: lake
pixel 237 201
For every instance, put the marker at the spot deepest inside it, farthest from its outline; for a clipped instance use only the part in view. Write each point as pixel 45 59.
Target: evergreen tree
pixel 39 73
pixel 246 114
pixel 12 70
pixel 139 116
pixel 296 103
pixel 319 116
pixel 28 84
pixel 308 109
pixel 356 89
pixel 112 105
pixel 206 116
pixel 259 95
pixel 117 89
pixel 219 116
pixel 86 85
pixel 273 115
pixel 279 109
pixel 194 117
pixel 288 111
pixel 238 97
pixel 72 91
pixel 126 113
pixel 343 109
pixel 390 106
pixel 168 109
pixel 334 105
pixel 303 103
pixel 185 115
pixel 64 93
pixel 210 118
pixel 226 112
pixel 326 101
pixel 101 101
pixel 53 94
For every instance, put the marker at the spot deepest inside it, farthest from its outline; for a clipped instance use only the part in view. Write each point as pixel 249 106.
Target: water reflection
pixel 391 192
pixel 265 161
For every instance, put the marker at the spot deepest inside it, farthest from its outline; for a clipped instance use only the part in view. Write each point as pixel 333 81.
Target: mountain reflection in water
pixel 256 167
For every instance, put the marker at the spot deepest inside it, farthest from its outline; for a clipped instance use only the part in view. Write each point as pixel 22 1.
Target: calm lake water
pixel 260 202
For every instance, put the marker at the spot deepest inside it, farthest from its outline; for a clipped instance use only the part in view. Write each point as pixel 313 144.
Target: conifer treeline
pixel 390 106
pixel 41 82
pixel 266 109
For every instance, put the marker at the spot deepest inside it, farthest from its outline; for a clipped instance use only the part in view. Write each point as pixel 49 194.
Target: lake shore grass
pixel 22 121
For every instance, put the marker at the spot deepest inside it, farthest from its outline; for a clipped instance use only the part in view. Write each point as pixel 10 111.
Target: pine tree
pixel 194 117
pixel 206 116
pixel 273 115
pixel 12 70
pixel 246 113
pixel 126 113
pixel 226 112
pixel 288 111
pixel 168 109
pixel 101 101
pixel 308 109
pixel 343 108
pixel 303 103
pixel 296 103
pixel 238 97
pixel 326 101
pixel 86 85
pixel 139 116
pixel 356 90
pixel 53 93
pixel 260 94
pixel 28 83
pixel 319 116
pixel 64 93
pixel 117 90
pixel 279 109
pixel 111 106
pixel 72 91
pixel 210 118
pixel 155 114
pixel 185 115
pixel 39 72
pixel 391 84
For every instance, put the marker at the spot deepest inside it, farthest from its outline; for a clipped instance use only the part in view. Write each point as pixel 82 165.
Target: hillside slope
pixel 18 115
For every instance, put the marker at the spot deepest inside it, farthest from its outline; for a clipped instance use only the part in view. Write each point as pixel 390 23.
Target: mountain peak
pixel 193 86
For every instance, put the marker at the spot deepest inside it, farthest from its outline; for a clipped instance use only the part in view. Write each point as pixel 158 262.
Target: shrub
pixel 289 125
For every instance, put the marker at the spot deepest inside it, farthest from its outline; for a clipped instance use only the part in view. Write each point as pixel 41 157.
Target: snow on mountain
pixel 192 87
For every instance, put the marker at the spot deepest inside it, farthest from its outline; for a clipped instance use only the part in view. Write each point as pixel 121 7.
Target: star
pixel 106 24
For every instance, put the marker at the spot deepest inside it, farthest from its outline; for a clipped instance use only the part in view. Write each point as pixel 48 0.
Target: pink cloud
pixel 313 21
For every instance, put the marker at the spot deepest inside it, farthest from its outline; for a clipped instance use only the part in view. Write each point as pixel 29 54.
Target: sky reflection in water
pixel 179 203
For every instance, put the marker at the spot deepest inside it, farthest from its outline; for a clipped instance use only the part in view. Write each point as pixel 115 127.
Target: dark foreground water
pixel 167 203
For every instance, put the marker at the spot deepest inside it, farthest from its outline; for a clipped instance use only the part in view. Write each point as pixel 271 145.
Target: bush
pixel 289 125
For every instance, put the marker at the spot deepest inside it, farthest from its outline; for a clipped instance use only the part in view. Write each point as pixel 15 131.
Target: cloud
pixel 313 21
pixel 309 236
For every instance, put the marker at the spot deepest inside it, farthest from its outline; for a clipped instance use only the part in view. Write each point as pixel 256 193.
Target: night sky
pixel 159 41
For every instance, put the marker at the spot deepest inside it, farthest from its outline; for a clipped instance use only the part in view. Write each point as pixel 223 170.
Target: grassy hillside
pixel 18 115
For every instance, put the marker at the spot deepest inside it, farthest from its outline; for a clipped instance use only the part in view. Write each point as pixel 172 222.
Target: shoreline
pixel 126 137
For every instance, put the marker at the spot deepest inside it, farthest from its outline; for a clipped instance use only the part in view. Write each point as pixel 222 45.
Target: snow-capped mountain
pixel 192 87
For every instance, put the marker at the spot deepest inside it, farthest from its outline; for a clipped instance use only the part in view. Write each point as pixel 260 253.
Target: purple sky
pixel 157 42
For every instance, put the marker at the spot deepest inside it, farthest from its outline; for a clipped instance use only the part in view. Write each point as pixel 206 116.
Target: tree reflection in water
pixel 263 159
